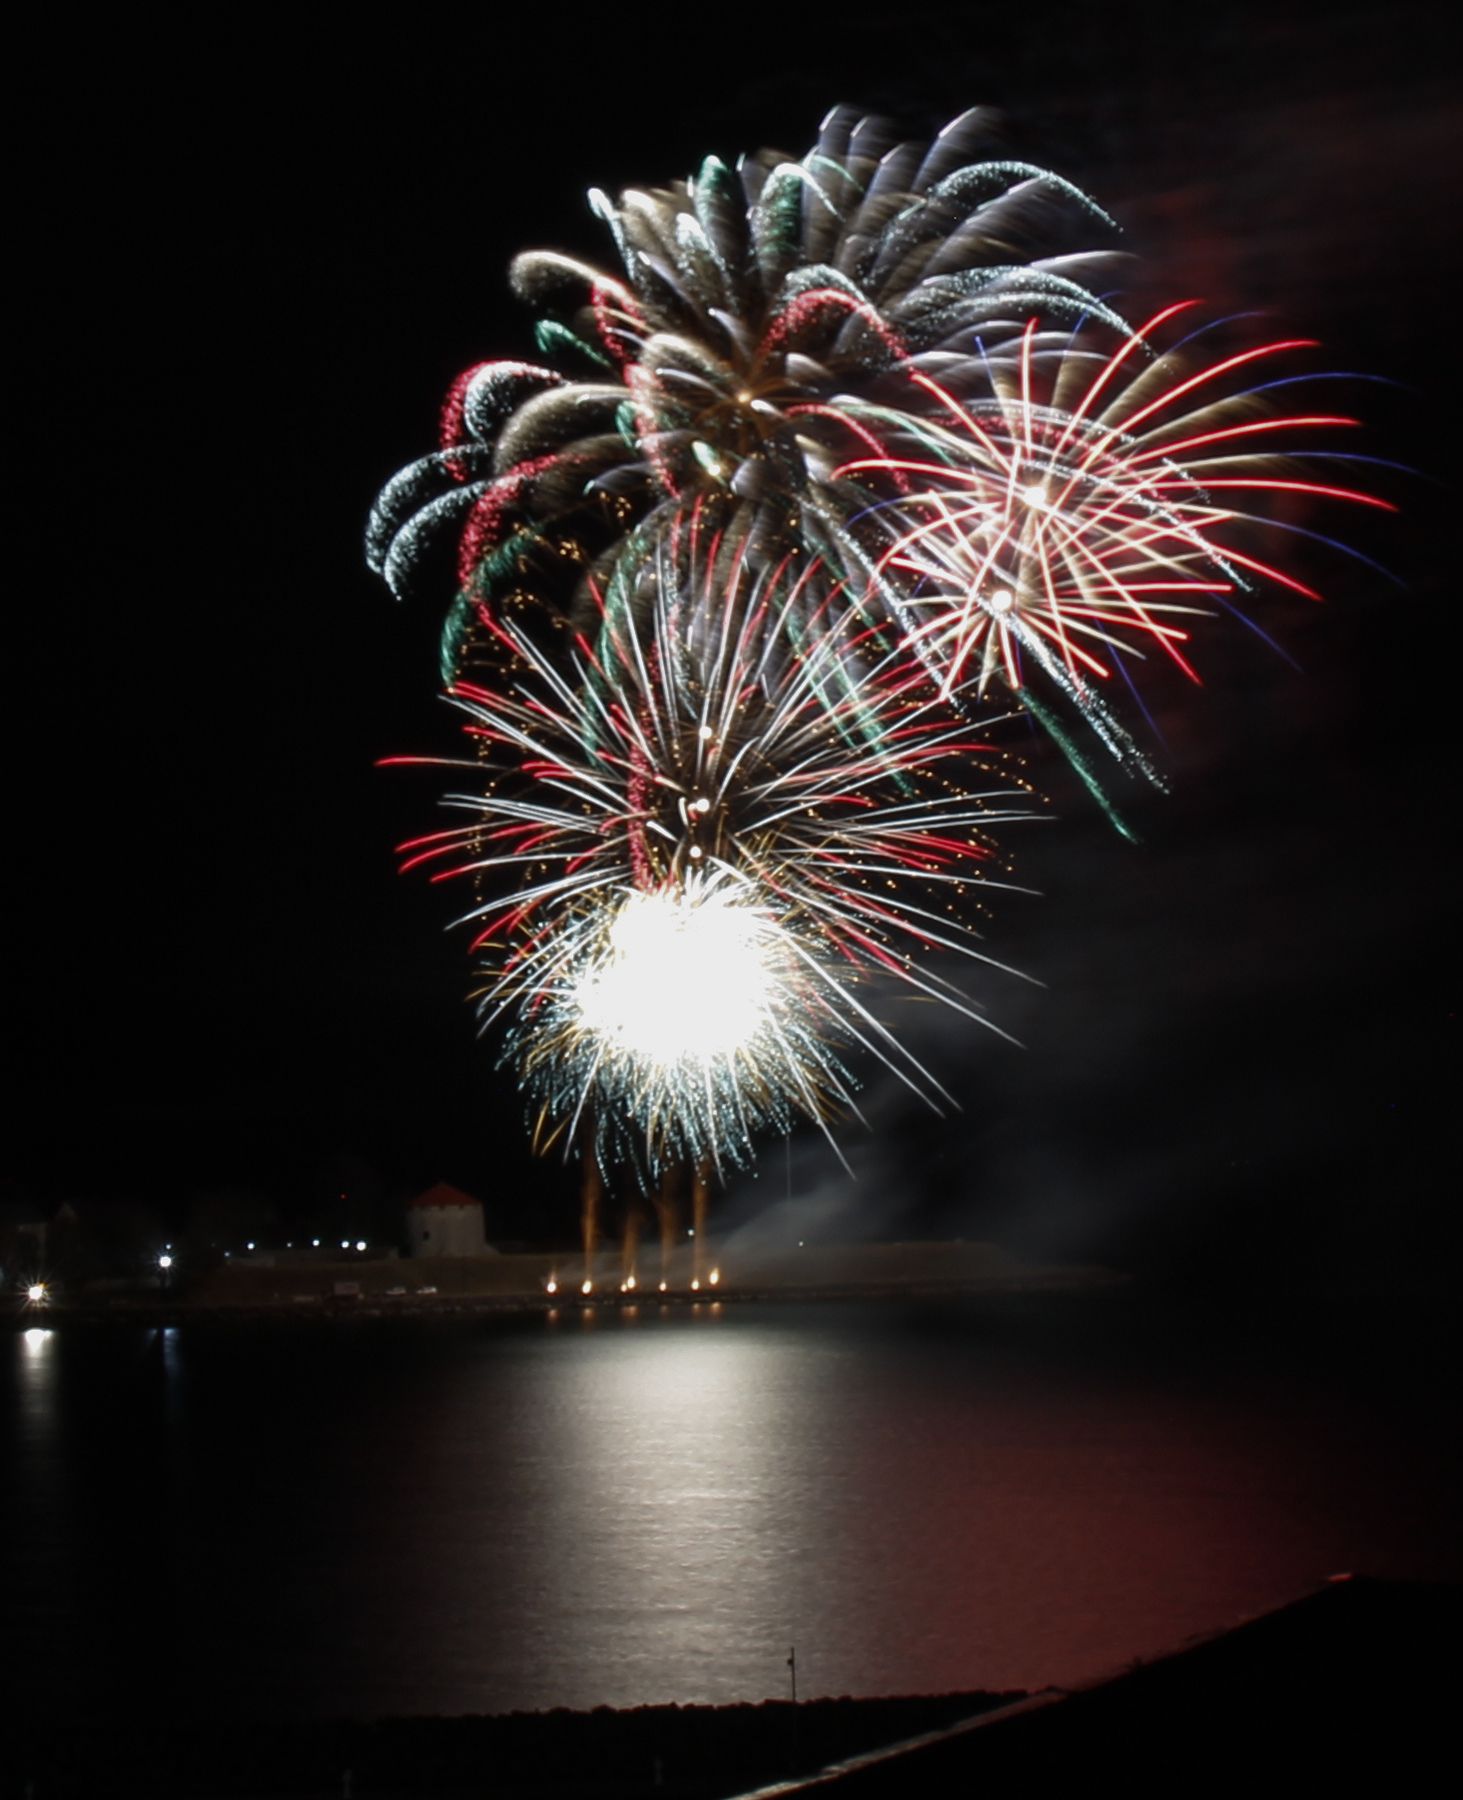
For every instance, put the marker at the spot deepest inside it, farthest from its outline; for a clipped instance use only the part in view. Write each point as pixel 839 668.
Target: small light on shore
pixel 551 1286
pixel 696 1285
pixel 662 1287
pixel 36 1293
pixel 165 1261
pixel 714 1277
pixel 586 1286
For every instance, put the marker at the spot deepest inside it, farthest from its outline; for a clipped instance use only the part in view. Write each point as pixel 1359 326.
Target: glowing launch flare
pixel 686 975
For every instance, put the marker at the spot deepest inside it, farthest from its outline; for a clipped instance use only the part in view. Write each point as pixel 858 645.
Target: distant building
pixel 445 1222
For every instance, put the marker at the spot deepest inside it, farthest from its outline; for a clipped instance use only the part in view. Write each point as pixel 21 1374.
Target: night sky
pixel 249 264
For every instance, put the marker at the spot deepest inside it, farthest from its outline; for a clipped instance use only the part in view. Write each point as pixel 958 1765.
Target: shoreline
pixel 273 1287
pixel 325 1310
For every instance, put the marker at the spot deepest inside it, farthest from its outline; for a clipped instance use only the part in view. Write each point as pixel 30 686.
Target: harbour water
pixel 648 1504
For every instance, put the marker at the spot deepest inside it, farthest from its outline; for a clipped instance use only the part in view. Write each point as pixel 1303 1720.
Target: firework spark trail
pixel 1082 504
pixel 758 312
pixel 712 862
pixel 859 359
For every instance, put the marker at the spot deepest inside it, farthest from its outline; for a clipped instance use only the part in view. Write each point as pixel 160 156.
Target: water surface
pixel 654 1504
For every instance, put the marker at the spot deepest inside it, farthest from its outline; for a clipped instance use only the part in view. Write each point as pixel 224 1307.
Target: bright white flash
pixel 684 975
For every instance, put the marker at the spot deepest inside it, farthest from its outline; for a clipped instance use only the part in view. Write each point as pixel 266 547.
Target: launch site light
pixel 165 1261
pixel 36 1293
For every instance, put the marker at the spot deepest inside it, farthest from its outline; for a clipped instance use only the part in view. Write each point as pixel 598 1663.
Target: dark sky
pixel 249 264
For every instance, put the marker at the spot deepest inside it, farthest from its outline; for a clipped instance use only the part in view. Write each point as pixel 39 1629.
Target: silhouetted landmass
pixel 1355 1679
pixel 679 1752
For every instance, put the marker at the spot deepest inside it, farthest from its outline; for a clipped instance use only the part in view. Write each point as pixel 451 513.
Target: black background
pixel 249 256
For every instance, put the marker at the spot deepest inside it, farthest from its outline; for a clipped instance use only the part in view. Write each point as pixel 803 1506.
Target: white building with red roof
pixel 445 1222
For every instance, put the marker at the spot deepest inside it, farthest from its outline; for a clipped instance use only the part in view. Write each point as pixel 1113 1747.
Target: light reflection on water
pixel 653 1503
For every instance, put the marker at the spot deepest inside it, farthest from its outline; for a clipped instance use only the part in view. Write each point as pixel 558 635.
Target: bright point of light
pixel 551 1286
pixel 685 976
pixel 690 1231
pixel 248 1246
pixel 696 1285
pixel 744 396
pixel 714 1277
pixel 314 1243
pixel 1035 494
pixel 586 1286
pixel 345 1243
pixel 703 732
pixel 1002 600
pixel 360 1243
pixel 36 1292
pixel 630 1283
pixel 701 805
pixel 36 1336
pixel 662 1287
pixel 165 1261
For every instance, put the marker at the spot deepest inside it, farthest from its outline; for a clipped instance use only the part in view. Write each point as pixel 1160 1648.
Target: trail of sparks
pixel 1062 516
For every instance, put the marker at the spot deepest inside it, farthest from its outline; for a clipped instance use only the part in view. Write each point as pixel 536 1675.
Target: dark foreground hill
pixel 1356 1681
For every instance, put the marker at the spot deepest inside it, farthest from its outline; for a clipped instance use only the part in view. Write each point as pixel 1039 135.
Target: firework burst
pixel 845 451
pixel 759 314
pixel 706 863
pixel 1081 507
